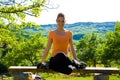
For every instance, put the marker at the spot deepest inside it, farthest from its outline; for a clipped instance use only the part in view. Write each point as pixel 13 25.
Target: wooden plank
pixel 107 70
pixel 28 69
pixel 99 70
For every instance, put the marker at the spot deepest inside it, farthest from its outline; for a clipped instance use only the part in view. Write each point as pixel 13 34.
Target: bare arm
pixel 73 50
pixel 45 53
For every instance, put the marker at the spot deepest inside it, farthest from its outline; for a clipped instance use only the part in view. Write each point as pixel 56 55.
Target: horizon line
pixel 83 22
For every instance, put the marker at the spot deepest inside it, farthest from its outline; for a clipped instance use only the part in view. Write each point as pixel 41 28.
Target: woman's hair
pixel 60 15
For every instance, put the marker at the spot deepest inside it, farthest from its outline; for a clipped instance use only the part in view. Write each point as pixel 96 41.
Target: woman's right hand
pixel 43 65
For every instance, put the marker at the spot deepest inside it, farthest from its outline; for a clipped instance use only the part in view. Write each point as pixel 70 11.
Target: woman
pixel 61 40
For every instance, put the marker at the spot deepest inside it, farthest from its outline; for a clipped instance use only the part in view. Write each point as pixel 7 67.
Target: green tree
pixel 112 46
pixel 27 52
pixel 14 46
pixel 86 49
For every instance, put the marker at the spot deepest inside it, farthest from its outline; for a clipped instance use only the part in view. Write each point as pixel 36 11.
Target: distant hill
pixel 79 29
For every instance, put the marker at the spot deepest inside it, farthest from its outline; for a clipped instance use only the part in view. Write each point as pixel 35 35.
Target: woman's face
pixel 60 21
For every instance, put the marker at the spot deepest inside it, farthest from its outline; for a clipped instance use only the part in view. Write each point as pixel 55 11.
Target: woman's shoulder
pixel 68 31
pixel 51 31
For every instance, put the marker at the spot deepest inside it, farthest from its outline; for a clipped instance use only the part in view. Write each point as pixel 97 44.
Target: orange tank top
pixel 60 42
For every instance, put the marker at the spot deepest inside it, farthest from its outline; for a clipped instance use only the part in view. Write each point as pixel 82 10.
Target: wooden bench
pixel 103 70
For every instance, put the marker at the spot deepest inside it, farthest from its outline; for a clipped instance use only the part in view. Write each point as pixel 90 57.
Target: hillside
pixel 79 29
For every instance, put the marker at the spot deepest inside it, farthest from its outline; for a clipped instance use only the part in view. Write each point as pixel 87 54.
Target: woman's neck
pixel 60 29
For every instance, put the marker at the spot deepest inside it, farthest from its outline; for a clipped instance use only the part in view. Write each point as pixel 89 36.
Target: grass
pixel 74 77
pixel 49 76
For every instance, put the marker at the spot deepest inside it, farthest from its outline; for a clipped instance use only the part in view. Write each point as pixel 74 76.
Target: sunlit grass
pixel 49 76
pixel 74 77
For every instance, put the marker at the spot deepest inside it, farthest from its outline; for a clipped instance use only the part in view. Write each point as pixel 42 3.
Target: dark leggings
pixel 60 63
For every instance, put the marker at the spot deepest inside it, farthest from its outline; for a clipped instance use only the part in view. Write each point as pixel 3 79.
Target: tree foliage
pixel 19 47
pixel 26 52
pixel 112 46
pixel 87 49
pixel 13 14
pixel 98 50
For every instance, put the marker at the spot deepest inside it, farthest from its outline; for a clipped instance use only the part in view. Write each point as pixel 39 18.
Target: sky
pixel 80 11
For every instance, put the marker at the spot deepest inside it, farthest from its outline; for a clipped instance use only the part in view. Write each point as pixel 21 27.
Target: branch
pixel 28 13
pixel 50 6
pixel 25 10
pixel 11 2
pixel 20 9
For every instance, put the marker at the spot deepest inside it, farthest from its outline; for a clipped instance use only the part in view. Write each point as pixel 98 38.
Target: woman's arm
pixel 73 50
pixel 45 53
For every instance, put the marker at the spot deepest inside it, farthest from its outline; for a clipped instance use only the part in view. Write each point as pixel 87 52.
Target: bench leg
pixel 22 76
pixel 101 76
pixel 26 76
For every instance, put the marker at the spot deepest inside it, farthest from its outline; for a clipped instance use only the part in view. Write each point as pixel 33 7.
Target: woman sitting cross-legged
pixel 61 40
